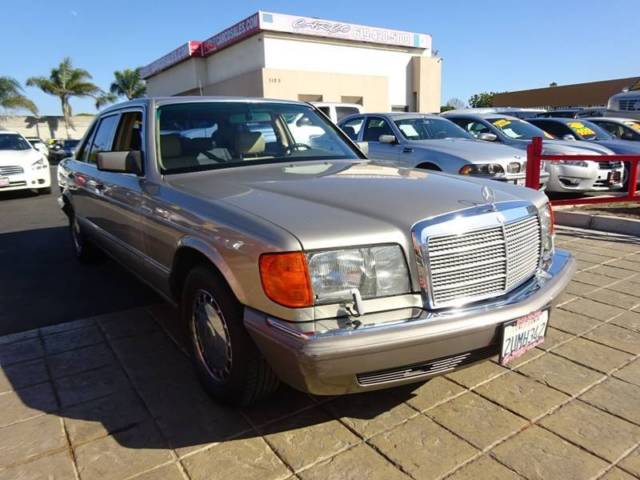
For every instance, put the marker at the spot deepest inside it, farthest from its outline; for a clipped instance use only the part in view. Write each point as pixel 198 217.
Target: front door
pixel 374 128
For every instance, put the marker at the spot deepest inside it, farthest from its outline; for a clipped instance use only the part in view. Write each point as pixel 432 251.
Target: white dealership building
pixel 301 58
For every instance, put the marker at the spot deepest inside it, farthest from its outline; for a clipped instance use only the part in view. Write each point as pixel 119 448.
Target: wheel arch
pixel 429 166
pixel 192 252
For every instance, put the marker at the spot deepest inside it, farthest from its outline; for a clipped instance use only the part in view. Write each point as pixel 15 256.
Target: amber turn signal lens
pixel 285 279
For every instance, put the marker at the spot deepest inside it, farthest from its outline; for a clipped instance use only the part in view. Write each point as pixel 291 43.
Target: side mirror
pixel 364 148
pixel 120 162
pixel 568 136
pixel 488 137
pixel 389 139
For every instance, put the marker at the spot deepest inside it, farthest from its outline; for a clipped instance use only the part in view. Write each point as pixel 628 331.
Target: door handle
pixel 407 150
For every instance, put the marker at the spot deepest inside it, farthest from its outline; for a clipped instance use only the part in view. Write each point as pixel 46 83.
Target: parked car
pixel 568 129
pixel 337 111
pixel 433 143
pixel 62 150
pixel 39 145
pixel 21 165
pixel 333 273
pixel 574 176
pixel 518 112
pixel 621 128
pixel 561 113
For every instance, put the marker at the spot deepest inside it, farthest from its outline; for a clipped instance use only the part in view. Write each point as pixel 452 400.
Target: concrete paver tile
pixel 127 324
pixel 58 466
pixel 371 413
pixel 616 337
pixel 537 454
pixel 593 355
pixel 630 320
pixel 615 298
pixel 24 440
pixel 168 472
pixel 21 351
pixel 124 454
pixel 308 437
pixel 617 474
pixel 433 392
pixel 80 360
pixel 476 374
pixel 560 373
pixel 67 326
pixel 90 385
pixel 485 468
pixel 522 395
pixel 570 322
pixel 599 432
pixel 590 308
pixel 357 463
pixel 423 448
pixel 242 459
pixel 22 375
pixel 631 463
pixel 630 373
pixel 616 397
pixel 26 403
pixel 72 339
pixel 479 421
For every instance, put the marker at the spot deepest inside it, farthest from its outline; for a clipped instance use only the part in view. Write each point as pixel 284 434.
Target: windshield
pixel 208 135
pixel 518 129
pixel 635 125
pixel 426 128
pixel 588 131
pixel 13 142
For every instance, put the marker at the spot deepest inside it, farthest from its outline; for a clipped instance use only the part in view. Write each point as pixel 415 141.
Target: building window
pixel 351 99
pixel 399 108
pixel 305 97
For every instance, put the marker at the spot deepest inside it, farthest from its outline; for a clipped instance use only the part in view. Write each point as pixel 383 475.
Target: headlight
pixel 547 230
pixel 482 169
pixel 374 271
pixel 38 164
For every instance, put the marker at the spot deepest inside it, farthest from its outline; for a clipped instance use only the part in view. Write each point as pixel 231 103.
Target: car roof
pixel 610 119
pixel 483 116
pixel 145 101
pixel 8 132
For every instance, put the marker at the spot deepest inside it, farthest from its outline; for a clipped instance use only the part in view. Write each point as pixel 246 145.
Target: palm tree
pixel 105 99
pixel 65 82
pixel 11 96
pixel 128 84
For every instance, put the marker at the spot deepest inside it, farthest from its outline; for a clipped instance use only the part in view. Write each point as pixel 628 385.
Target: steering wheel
pixel 289 149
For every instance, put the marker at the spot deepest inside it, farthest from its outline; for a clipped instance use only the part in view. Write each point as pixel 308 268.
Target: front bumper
pixel 30 179
pixel 423 345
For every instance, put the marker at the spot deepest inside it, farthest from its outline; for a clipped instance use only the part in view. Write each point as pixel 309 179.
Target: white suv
pixel 21 165
pixel 337 111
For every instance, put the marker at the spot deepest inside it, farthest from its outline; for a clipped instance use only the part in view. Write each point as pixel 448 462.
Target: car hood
pixel 473 151
pixel 23 158
pixel 622 147
pixel 566 147
pixel 335 203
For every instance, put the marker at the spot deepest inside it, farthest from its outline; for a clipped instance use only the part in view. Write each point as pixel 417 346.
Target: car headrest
pixel 249 143
pixel 170 146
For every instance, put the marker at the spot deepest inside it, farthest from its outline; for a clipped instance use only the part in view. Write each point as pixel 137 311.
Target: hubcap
pixel 211 336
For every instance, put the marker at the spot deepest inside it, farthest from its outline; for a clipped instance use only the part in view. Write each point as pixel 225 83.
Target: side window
pixel 473 127
pixel 352 128
pixel 375 127
pixel 557 129
pixel 83 152
pixel 342 112
pixel 326 111
pixel 103 137
pixel 129 133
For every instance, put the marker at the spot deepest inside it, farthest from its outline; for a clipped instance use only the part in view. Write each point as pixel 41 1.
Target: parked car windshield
pixel 588 131
pixel 13 142
pixel 424 128
pixel 518 129
pixel 208 135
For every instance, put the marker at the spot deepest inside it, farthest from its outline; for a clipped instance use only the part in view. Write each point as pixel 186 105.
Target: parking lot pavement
pixel 113 396
pixel 41 283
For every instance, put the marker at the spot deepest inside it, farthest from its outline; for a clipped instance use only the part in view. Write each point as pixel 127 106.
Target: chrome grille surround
pixel 11 170
pixel 477 253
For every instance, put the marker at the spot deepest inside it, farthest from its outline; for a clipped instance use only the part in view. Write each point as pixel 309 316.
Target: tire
pixel 83 249
pixel 229 365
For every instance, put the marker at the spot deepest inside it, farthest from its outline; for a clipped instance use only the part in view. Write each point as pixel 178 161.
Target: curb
pixel 604 223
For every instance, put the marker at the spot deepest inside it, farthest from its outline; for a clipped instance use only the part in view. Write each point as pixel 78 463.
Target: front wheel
pixel 230 366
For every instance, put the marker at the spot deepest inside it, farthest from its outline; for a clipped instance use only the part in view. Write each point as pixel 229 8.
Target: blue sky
pixel 491 45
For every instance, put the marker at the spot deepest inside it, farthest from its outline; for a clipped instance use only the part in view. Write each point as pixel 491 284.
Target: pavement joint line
pixel 38 456
pixel 615 463
pixel 152 469
pixel 133 388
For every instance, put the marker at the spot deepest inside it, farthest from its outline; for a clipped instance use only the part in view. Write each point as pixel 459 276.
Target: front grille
pixel 483 263
pixel 11 170
pixel 427 369
pixel 610 165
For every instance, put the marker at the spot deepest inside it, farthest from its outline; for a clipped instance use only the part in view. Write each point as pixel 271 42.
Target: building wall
pixel 46 127
pixel 329 87
pixel 179 78
pixel 427 75
pixel 314 55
